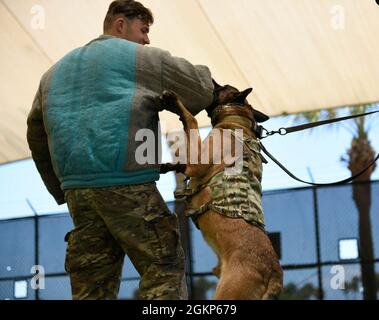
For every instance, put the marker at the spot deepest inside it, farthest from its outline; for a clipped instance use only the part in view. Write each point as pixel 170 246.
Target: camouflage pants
pixel 112 222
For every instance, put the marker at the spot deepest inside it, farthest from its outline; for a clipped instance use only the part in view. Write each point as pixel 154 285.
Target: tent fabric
pixel 298 55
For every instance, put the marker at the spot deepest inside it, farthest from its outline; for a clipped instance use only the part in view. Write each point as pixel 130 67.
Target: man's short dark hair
pixel 130 9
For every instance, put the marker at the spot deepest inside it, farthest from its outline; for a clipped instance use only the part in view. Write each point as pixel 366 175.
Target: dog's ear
pixel 241 96
pixel 260 116
pixel 216 85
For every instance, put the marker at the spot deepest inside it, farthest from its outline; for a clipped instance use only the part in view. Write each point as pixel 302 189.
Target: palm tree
pixel 352 286
pixel 359 155
pixel 292 292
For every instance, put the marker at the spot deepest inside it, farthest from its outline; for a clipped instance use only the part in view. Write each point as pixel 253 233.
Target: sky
pixel 317 151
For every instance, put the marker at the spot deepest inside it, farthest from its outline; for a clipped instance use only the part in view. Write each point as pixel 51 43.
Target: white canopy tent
pixel 298 55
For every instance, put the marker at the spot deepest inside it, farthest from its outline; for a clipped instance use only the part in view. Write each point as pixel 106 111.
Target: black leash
pixel 312 183
pixel 283 131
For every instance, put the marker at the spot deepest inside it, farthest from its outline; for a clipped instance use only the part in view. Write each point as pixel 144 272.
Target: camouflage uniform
pixel 237 195
pixel 110 222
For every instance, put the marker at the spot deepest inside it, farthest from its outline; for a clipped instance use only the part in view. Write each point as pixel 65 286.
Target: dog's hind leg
pixel 274 287
pixel 237 283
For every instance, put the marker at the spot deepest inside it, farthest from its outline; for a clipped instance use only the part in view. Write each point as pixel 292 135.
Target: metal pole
pixel 317 231
pixel 180 206
pixel 36 240
pixel 190 262
pixel 185 236
pixel 318 247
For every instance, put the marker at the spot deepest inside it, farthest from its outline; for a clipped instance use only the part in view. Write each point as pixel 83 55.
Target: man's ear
pixel 120 24
pixel 241 97
pixel 216 85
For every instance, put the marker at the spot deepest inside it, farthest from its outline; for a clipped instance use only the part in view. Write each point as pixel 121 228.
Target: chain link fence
pixel 317 232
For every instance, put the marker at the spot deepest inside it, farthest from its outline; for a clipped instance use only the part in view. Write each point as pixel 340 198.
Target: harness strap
pixel 188 192
pixel 248 147
pixel 196 212
pixel 180 193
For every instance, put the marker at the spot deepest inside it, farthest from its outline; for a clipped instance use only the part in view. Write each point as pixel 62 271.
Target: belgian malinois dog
pixel 248 266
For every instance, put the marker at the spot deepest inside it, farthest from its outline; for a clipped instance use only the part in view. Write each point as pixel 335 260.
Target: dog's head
pixel 228 94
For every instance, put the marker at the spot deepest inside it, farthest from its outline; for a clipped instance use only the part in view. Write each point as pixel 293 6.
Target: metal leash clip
pixel 264 133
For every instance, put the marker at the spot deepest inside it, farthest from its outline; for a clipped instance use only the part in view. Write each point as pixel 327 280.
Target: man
pixel 82 134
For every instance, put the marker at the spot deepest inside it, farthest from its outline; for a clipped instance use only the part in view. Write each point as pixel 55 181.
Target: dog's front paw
pixel 168 99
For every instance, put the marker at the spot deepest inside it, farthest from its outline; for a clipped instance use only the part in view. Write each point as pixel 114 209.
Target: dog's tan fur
pixel 248 265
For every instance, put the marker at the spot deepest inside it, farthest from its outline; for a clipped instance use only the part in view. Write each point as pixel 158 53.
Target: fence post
pixel 318 246
pixel 185 233
pixel 36 240
pixel 317 233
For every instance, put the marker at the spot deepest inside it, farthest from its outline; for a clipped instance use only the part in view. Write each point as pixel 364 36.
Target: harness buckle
pixel 259 131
